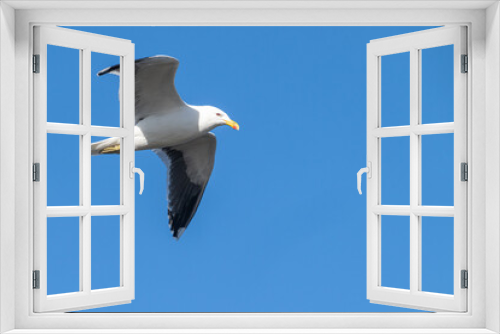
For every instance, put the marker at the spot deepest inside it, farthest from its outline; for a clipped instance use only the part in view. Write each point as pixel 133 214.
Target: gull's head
pixel 214 117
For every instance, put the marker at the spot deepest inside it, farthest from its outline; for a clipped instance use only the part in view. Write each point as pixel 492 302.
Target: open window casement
pixel 415 44
pixel 85 214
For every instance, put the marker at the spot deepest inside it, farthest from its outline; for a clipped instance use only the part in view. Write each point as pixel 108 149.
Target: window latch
pixel 368 171
pixel 134 170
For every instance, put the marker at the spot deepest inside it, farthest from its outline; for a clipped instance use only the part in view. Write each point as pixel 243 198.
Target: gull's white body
pixel 171 128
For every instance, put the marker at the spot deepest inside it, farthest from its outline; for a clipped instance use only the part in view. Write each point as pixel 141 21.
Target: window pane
pixel 105 88
pixel 63 85
pixel 395 89
pixel 437 84
pixel 105 177
pixel 395 171
pixel 63 170
pixel 63 255
pixel 437 254
pixel 105 252
pixel 396 251
pixel 437 169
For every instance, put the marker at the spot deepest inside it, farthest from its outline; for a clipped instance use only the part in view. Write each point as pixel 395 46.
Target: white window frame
pixel 483 21
pixel 414 43
pixel 86 44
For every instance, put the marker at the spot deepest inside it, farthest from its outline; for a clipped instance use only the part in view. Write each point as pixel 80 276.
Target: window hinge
pixel 36 279
pixel 36 172
pixel 36 63
pixel 465 279
pixel 465 64
pixel 464 171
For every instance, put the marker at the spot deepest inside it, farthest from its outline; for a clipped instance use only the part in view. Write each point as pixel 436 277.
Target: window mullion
pixel 414 171
pixel 418 141
pixel 85 168
pixel 127 196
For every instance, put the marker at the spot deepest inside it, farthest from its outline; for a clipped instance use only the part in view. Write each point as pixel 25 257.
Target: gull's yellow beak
pixel 233 124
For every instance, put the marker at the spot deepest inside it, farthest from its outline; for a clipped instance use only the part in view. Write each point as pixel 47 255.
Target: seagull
pixel 177 132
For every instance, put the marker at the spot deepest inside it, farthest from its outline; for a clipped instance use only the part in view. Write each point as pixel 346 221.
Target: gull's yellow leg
pixel 111 149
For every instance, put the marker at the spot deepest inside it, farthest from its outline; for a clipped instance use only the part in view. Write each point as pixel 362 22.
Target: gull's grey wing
pixel 189 168
pixel 154 85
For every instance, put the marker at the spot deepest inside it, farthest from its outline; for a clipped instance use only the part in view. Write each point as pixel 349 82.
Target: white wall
pixel 7 191
pixel 492 166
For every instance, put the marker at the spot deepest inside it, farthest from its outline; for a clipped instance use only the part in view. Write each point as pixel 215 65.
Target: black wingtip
pixel 173 228
pixel 114 68
pixel 176 228
pixel 177 233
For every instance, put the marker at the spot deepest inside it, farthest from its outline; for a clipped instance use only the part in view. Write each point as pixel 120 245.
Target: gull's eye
pixel 219 114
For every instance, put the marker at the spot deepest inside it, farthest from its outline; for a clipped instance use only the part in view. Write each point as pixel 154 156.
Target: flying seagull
pixel 177 132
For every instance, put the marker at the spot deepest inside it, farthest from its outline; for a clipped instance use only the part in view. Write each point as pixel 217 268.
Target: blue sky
pixel 281 227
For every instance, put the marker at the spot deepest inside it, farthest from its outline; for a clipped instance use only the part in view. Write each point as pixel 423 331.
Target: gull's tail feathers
pixel 106 146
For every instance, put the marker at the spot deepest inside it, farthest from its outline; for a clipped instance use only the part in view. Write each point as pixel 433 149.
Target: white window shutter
pixel 415 297
pixel 86 43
